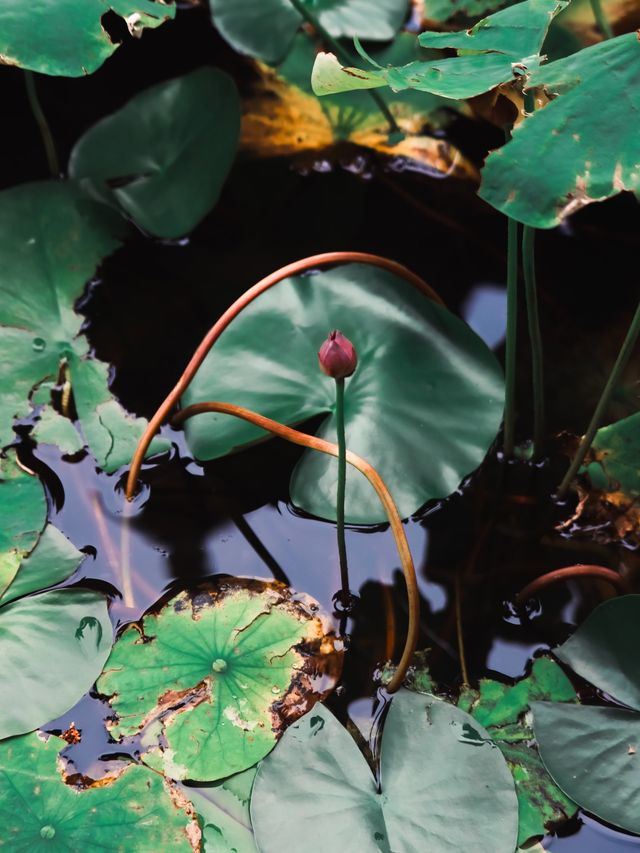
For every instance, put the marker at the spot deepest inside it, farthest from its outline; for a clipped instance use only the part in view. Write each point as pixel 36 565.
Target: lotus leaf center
pixel 47 832
pixel 219 665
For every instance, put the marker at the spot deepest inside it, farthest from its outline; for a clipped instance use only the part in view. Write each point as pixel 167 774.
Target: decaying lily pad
pixel 214 676
pixel 134 812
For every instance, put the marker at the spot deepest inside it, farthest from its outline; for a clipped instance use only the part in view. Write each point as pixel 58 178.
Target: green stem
pixel 512 326
pixel 342 480
pixel 43 125
pixel 601 19
pixel 623 357
pixel 346 59
pixel 529 269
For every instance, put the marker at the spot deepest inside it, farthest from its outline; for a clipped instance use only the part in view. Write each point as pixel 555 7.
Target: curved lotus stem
pixel 301 438
pixel 221 324
pixel 570 573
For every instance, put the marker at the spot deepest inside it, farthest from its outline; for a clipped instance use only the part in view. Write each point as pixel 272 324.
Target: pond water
pixel 152 303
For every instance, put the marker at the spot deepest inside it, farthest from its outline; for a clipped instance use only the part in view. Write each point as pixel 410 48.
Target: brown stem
pixel 570 573
pixel 301 438
pixel 221 324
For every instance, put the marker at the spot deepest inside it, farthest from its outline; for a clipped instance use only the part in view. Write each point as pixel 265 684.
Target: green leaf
pixel 266 28
pixel 593 754
pixel 52 238
pixel 501 48
pixel 163 158
pixel 65 37
pixel 23 509
pixel 615 452
pixel 442 781
pixel 39 812
pixel 423 406
pixel 52 561
pixel 216 669
pixel 224 810
pixel 44 667
pixel 54 428
pixel 586 138
pixel 444 10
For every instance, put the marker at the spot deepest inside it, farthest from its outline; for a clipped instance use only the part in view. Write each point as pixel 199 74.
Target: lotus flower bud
pixel 337 356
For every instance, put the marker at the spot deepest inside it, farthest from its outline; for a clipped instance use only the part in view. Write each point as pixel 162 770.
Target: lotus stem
pixel 346 59
pixel 533 319
pixel 621 362
pixel 43 125
pixel 342 481
pixel 512 330
pixel 570 573
pixel 601 19
pixel 459 632
pixel 221 324
pixel 395 522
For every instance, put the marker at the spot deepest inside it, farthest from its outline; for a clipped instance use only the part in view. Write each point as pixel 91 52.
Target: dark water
pixel 151 305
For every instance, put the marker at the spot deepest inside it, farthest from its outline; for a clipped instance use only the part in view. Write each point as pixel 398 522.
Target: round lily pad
pixel 219 673
pixel 423 406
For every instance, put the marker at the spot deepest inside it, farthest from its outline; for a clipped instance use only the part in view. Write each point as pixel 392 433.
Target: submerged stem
pixel 342 477
pixel 601 19
pixel 395 522
pixel 346 59
pixel 43 125
pixel 533 319
pixel 512 328
pixel 570 573
pixel 623 357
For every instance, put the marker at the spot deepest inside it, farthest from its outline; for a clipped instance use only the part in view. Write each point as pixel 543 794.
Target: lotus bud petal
pixel 337 356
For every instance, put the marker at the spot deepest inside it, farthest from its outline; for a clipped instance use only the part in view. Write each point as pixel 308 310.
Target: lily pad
pixel 39 812
pixel 504 47
pixel 266 28
pixel 54 428
pixel 223 671
pixel 423 406
pixel 586 137
pixel 67 38
pixel 613 464
pixel 224 810
pixel 163 158
pixel 592 752
pixel 442 781
pixel 52 238
pixel 23 509
pixel 52 648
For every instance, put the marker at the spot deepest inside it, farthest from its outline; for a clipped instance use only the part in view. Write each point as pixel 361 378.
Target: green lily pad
pixel 54 428
pixel 222 670
pixel 224 810
pixel 52 648
pixel 38 812
pixel 266 28
pixel 586 138
pixel 615 452
pixel 65 37
pixel 23 509
pixel 423 406
pixel 163 158
pixel 592 752
pixel 504 47
pixel 444 10
pixel 52 238
pixel 52 561
pixel 442 782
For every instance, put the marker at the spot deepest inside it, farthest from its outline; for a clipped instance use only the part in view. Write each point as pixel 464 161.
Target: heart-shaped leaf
pixel 442 782
pixel 51 240
pixel 265 28
pixel 423 406
pixel 67 38
pixel 222 671
pixel 38 811
pixel 52 648
pixel 501 48
pixel 592 752
pixel 586 137
pixel 163 158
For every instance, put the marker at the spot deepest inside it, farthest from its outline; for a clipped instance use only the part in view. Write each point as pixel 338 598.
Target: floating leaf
pixel 442 782
pixel 505 47
pixel 591 752
pixel 224 810
pixel 51 240
pixel 163 158
pixel 423 406
pixel 444 10
pixel 54 428
pixel 67 38
pixel 136 812
pixel 223 670
pixel 266 28
pixel 586 137
pixel 23 509
pixel 50 655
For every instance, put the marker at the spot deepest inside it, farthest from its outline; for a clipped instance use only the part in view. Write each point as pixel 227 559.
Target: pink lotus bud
pixel 337 356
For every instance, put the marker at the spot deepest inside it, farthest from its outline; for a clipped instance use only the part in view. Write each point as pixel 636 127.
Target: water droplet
pixel 219 665
pixel 275 689
pixel 47 831
pixel 38 345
